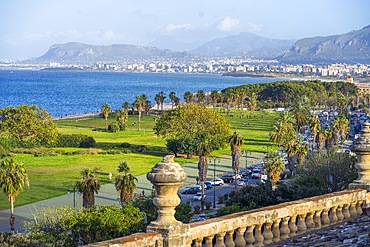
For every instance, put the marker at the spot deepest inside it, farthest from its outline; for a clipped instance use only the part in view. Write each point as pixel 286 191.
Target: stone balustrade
pixel 149 239
pixel 271 224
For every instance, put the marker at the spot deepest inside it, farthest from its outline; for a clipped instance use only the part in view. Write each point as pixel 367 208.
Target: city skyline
pixel 31 27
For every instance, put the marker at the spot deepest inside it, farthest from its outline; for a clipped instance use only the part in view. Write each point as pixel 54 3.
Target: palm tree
pixel 314 124
pixel 321 137
pixel 122 118
pixel 162 98
pixel 329 134
pixel 215 95
pixel 105 109
pixel 200 95
pixel 125 183
pixel 13 178
pixel 88 185
pixel 283 129
pixel 188 97
pixel 139 103
pixel 227 95
pixel 236 141
pixel 157 99
pixel 301 110
pixel 302 150
pixel 172 96
pixel 274 166
pixel 252 103
pixel 291 150
pixel 126 106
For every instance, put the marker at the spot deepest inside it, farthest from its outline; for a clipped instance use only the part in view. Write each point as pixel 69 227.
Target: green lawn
pixel 52 176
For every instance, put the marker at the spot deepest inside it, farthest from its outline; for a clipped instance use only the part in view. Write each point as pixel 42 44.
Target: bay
pixel 70 92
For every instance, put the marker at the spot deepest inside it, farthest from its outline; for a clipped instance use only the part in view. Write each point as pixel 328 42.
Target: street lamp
pixel 214 159
pixel 245 153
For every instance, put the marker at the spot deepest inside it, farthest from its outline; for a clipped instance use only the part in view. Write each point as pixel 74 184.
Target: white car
pixel 198 196
pixel 242 182
pixel 217 181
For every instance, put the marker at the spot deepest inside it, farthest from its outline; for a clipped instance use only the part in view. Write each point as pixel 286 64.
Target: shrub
pixel 208 204
pixel 126 145
pixel 197 209
pixel 183 212
pixel 114 127
pixel 75 140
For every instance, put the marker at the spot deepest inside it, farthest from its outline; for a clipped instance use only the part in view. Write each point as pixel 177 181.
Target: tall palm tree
pixel 125 183
pixel 252 103
pixel 172 96
pixel 13 178
pixel 236 141
pixel 139 103
pixel 314 124
pixel 188 97
pixel 201 95
pixel 122 118
pixel 105 109
pixel 126 106
pixel 157 99
pixel 329 134
pixel 227 95
pixel 302 150
pixel 215 95
pixel 88 186
pixel 274 166
pixel 291 151
pixel 301 110
pixel 283 129
pixel 162 98
pixel 321 137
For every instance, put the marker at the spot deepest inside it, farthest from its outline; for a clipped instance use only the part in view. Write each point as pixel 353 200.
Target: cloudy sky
pixel 29 27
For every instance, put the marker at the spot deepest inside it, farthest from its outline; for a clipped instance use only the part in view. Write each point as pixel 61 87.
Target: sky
pixel 29 27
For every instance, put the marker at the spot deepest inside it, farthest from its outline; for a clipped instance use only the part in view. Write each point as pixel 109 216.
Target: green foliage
pixel 146 205
pixel 228 210
pixel 114 127
pixel 181 146
pixel 30 125
pixel 69 227
pixel 184 212
pixel 75 140
pixel 7 142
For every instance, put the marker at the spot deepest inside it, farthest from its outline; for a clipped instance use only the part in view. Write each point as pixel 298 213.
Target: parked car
pixel 256 173
pixel 207 185
pixel 198 196
pixel 227 178
pixel 202 217
pixel 191 190
pixel 217 181
pixel 242 182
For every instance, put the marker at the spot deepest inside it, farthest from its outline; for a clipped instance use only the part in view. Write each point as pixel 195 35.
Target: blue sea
pixel 74 92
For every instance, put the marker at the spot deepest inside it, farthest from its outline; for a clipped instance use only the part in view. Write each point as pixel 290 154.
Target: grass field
pixel 51 176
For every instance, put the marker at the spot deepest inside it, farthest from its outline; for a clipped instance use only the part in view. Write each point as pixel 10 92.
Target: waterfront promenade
pixel 108 194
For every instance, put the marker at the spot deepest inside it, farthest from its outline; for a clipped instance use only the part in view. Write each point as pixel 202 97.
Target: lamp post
pixel 245 153
pixel 214 159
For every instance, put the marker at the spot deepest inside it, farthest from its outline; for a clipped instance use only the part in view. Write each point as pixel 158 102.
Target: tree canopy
pixel 28 124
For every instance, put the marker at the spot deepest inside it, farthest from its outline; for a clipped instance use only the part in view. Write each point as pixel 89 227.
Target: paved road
pixel 108 195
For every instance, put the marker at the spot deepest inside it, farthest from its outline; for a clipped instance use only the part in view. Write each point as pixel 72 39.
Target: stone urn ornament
pixel 361 147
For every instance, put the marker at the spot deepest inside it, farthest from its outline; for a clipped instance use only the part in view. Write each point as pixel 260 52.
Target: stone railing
pixel 274 223
pixel 258 227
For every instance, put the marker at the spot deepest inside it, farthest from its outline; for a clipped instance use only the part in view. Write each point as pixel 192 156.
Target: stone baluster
pixel 361 147
pixel 346 213
pixel 352 209
pixel 208 241
pixel 198 242
pixel 309 221
pixel 220 239
pixel 229 242
pixel 302 223
pixel 333 215
pixel 258 236
pixel 276 230
pixel 249 238
pixel 340 213
pixel 284 230
pixel 293 226
pixel 167 176
pixel 359 207
pixel 267 233
pixel 325 217
pixel 317 219
pixel 239 240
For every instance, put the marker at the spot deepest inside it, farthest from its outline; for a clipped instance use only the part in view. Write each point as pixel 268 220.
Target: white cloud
pixel 175 27
pixel 254 27
pixel 228 24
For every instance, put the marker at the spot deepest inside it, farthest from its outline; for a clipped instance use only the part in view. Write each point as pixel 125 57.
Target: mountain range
pixel 352 47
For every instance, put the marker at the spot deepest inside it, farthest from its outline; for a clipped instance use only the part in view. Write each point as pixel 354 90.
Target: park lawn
pixel 52 176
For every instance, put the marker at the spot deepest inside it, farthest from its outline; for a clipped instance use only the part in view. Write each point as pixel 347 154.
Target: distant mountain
pixel 245 44
pixel 352 47
pixel 168 42
pixel 89 54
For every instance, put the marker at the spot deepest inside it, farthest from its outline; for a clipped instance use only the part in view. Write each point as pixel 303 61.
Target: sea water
pixel 75 92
